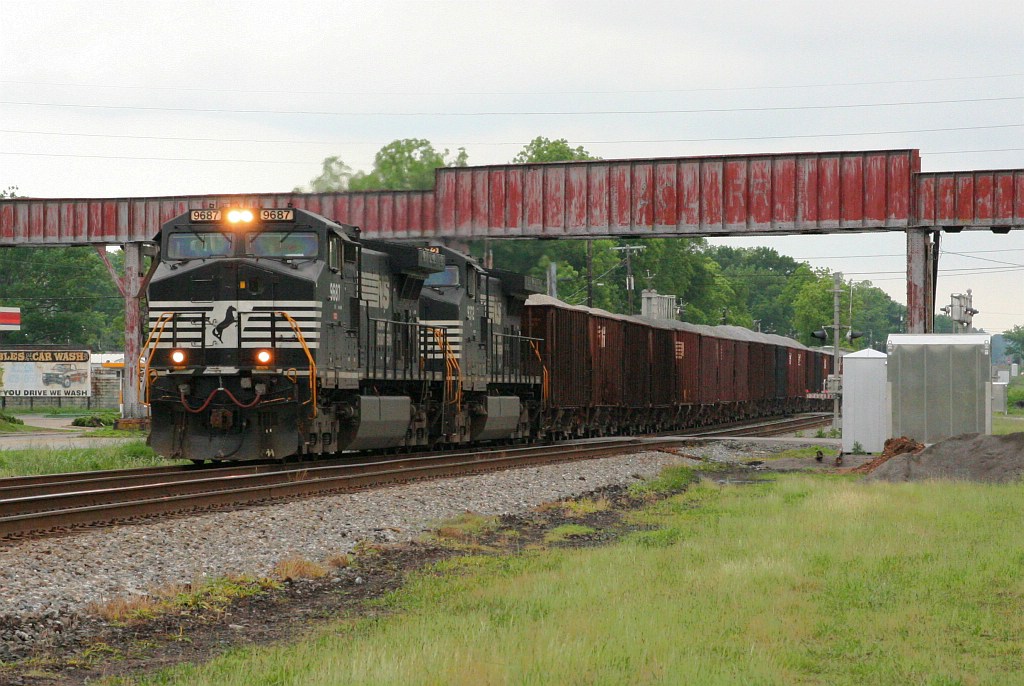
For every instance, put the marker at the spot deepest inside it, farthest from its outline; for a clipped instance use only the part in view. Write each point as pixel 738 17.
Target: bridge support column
pixel 922 268
pixel 132 285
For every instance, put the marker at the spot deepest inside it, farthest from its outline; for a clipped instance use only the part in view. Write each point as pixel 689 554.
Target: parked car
pixel 64 374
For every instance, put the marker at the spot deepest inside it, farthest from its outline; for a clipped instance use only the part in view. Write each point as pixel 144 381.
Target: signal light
pixel 243 216
pixel 178 357
pixel 264 357
pixel 820 334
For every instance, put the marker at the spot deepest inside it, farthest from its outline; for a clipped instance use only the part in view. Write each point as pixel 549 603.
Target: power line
pixel 986 259
pixel 720 89
pixel 479 143
pixel 160 159
pixel 307 163
pixel 577 113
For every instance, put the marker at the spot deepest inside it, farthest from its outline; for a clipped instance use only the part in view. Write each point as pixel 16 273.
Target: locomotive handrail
pixel 158 332
pixel 451 362
pixel 309 356
pixel 545 388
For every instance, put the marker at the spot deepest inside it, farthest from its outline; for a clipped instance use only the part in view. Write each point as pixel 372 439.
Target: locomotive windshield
pixel 449 277
pixel 194 245
pixel 284 244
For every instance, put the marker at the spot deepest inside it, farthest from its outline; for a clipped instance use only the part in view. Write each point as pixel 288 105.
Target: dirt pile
pixel 892 448
pixel 970 457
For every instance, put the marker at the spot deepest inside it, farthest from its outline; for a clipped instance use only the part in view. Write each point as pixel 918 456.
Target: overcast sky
pixel 101 99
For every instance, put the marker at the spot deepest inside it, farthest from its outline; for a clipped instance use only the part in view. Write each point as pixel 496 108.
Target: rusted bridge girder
pixel 733 195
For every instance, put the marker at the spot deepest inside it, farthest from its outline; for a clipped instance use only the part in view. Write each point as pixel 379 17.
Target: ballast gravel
pixel 50 578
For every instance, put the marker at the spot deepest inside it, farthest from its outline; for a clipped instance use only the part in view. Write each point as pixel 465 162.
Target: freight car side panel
pixel 797 381
pixel 727 370
pixel 638 365
pixel 781 371
pixel 710 391
pixel 743 380
pixel 760 370
pixel 662 371
pixel 566 353
pixel 607 349
pixel 687 354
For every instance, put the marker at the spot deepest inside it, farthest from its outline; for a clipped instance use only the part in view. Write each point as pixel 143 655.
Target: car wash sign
pixel 10 319
pixel 45 374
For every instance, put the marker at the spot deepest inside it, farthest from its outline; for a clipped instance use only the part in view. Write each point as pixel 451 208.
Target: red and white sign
pixel 10 319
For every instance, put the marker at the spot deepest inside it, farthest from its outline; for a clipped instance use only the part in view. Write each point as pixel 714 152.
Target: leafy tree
pixel 405 164
pixel 542 149
pixel 66 297
pixel 761 276
pixel 10 192
pixel 1015 343
pixel 334 176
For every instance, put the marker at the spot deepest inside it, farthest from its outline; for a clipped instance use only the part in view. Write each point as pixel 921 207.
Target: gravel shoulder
pixel 49 585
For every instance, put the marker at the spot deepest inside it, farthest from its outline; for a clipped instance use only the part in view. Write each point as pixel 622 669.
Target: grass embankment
pixel 31 461
pixel 809 580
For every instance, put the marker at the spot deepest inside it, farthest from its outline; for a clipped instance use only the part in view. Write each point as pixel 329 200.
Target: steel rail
pixel 40 514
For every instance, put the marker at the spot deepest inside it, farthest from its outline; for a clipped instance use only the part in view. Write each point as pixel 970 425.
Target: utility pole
pixel 837 290
pixel 628 250
pixel 553 279
pixel 590 273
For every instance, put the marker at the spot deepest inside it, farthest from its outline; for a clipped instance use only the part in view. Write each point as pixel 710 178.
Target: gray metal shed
pixel 940 385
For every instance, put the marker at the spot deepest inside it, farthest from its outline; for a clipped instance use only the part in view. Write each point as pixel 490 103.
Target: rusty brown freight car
pixel 613 373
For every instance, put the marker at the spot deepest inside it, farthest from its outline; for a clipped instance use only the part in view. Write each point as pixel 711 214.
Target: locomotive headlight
pixel 178 357
pixel 264 357
pixel 240 216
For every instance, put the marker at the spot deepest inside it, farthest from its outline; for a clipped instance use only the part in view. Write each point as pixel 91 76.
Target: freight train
pixel 280 334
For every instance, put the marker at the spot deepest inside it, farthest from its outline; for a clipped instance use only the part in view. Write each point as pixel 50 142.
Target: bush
pixel 9 419
pixel 1015 396
pixel 95 420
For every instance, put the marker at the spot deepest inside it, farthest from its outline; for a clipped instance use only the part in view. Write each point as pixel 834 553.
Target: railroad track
pixel 768 427
pixel 42 505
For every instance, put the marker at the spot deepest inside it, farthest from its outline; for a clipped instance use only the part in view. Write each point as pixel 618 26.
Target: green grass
pixel 1007 424
pixel 801 580
pixel 53 461
pixel 671 479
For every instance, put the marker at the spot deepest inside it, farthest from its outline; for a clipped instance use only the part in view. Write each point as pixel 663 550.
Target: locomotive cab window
pixel 449 277
pixel 195 245
pixel 284 244
pixel 333 250
pixel 351 252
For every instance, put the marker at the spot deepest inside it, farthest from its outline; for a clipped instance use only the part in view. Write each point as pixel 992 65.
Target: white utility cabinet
pixel 865 410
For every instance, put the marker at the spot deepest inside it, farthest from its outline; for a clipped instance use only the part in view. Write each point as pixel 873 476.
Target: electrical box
pixel 865 412
pixel 940 385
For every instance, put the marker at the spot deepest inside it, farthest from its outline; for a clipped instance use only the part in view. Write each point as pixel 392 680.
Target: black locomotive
pixel 278 333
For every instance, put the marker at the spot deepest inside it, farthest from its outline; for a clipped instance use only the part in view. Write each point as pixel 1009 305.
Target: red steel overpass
pixel 732 195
